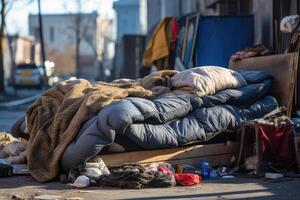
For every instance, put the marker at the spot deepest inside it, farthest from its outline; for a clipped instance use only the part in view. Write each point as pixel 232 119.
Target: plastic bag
pixel 290 23
pixel 81 182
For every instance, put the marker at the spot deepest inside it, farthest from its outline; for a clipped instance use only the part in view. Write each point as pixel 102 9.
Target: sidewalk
pixel 236 188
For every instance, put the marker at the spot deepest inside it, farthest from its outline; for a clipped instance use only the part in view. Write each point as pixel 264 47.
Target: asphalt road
pixel 221 189
pixel 8 115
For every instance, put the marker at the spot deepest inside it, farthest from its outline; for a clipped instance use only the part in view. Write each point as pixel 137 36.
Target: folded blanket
pixel 207 80
pixel 54 120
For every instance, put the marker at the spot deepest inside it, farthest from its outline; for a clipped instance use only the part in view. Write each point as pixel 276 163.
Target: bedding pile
pixel 74 121
pixel 54 119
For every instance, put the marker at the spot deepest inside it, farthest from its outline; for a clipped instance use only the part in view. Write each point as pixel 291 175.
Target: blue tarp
pixel 221 36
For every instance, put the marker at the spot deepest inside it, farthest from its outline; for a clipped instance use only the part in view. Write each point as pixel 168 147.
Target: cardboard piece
pixel 283 67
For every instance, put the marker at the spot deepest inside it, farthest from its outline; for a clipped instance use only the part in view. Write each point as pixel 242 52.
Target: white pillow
pixel 207 80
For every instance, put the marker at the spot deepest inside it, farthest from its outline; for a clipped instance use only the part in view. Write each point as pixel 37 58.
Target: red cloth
pixel 174 33
pixel 187 179
pixel 182 178
pixel 164 170
pixel 277 141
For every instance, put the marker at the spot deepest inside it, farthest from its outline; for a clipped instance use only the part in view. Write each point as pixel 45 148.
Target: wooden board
pixel 216 154
pixel 283 67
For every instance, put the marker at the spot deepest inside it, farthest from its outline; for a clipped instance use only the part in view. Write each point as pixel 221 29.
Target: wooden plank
pixel 215 160
pixel 191 154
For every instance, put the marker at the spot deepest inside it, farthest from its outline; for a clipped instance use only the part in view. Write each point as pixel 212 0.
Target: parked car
pixel 28 75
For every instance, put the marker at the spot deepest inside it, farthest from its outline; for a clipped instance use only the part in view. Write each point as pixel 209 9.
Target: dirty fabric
pixel 257 50
pixel 157 51
pixel 11 150
pixel 277 141
pixel 54 120
pixel 14 153
pixel 134 176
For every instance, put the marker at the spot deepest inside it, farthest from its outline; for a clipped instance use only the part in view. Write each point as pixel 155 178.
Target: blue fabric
pixel 242 97
pixel 255 76
pixel 221 36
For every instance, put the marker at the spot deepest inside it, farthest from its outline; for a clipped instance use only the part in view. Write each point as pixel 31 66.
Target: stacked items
pixel 167 109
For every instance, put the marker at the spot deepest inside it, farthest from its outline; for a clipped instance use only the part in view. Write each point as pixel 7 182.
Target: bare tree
pixel 2 25
pixel 77 35
pixel 77 29
pixel 88 38
pixel 6 6
pixel 81 28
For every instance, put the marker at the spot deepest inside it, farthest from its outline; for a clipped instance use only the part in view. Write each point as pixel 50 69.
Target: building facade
pixel 130 19
pixel 63 34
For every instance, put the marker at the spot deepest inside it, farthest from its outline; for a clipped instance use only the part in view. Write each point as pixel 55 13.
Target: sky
pixel 17 18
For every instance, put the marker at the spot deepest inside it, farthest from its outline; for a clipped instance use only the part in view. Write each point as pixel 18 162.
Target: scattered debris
pixel 81 182
pixel 228 176
pixel 273 175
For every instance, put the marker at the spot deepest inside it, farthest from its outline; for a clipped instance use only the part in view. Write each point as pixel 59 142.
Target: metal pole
pixel 42 44
pixel 41 32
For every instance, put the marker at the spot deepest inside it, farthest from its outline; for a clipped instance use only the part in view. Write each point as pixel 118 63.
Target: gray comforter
pixel 171 120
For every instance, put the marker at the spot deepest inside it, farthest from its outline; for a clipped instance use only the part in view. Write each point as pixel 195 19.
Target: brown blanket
pixel 54 120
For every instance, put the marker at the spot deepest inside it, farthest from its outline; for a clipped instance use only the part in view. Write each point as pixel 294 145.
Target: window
pixel 51 34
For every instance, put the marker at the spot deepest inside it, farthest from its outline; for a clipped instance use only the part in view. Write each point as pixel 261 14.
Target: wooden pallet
pixel 215 154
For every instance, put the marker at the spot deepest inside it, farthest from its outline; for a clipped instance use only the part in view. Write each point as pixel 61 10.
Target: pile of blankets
pixel 75 120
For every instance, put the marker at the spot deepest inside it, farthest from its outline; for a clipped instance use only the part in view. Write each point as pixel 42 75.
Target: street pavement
pixel 8 115
pixel 221 189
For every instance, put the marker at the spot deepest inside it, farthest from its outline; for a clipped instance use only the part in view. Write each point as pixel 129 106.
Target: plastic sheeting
pixel 221 36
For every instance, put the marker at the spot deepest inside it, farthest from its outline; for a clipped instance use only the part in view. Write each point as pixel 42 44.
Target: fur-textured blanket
pixel 54 120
